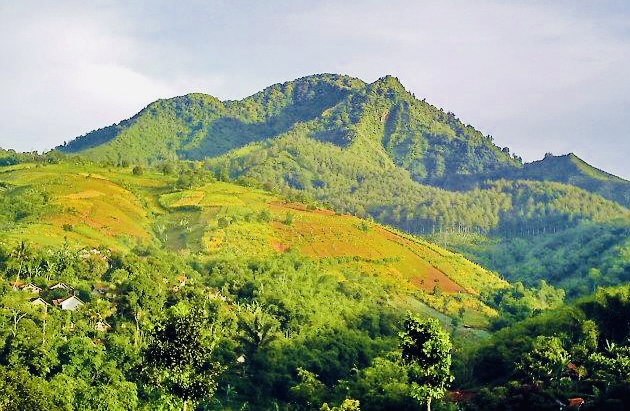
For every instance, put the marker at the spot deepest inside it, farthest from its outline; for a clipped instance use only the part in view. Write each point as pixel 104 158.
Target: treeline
pixel 23 204
pixel 12 157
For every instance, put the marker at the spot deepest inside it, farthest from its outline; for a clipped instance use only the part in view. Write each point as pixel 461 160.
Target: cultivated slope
pixel 91 206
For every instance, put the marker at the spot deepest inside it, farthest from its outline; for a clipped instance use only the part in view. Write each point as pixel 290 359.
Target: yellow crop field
pixel 88 208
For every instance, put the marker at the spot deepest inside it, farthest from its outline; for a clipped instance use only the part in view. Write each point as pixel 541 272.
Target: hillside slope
pixel 273 289
pixel 92 206
pixel 374 150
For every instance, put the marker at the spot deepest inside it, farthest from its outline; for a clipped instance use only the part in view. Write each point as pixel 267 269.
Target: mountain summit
pixel 380 119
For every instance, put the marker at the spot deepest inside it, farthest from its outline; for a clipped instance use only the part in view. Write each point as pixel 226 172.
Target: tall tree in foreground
pixel 178 357
pixel 426 350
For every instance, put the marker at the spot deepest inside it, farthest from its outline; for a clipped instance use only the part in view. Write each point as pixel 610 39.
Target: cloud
pixel 64 75
pixel 538 77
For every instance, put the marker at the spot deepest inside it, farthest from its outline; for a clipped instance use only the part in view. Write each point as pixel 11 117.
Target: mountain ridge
pixel 260 108
pixel 418 136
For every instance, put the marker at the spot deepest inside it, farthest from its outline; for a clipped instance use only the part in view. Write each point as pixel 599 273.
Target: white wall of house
pixel 71 303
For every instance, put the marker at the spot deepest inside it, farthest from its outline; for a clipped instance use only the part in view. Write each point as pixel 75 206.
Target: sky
pixel 538 76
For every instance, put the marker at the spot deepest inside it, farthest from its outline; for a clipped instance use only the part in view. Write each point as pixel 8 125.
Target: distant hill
pixel 571 169
pixel 379 119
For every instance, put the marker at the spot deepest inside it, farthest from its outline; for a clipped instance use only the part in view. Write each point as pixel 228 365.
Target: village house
pixel 32 288
pixel 60 286
pixel 102 326
pixel 39 301
pixel 182 279
pixel 71 303
pixel 576 402
pixel 17 285
pixel 101 289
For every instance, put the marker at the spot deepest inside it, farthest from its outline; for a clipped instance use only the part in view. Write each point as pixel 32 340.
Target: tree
pixel 21 391
pixel 348 404
pixel 178 356
pixel 258 327
pixel 16 306
pixel 98 311
pixel 612 365
pixel 546 361
pixel 384 385
pixel 20 255
pixel 426 350
pixel 167 168
pixel 309 390
pixel 141 297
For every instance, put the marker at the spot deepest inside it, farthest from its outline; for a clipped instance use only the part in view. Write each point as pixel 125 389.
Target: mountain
pixel 571 169
pixel 376 151
pixel 380 119
pixel 258 251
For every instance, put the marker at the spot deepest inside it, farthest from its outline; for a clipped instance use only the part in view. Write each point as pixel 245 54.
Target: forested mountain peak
pixel 316 81
pixel 301 128
pixel 566 165
pixel 390 82
pixel 571 169
pixel 380 120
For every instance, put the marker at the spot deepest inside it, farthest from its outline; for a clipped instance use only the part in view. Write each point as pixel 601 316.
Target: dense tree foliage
pixel 517 302
pixel 178 356
pixel 282 331
pixel 11 157
pixel 579 351
pixel 578 259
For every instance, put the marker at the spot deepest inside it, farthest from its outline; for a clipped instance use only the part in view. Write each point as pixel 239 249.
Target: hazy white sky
pixel 539 76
